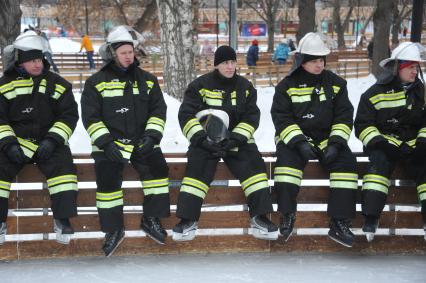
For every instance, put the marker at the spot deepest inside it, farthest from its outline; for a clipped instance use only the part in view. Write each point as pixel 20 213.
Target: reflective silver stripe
pixel 255 183
pixel 290 132
pixel 27 147
pixel 234 98
pixel 109 200
pixel 125 149
pixel 368 134
pixel 393 140
pixel 421 192
pixel 194 187
pixel 42 86
pixel 156 187
pixel 376 183
pixel 111 89
pixel 192 127
pixel 96 130
pixel 4 189
pixel 344 180
pixel 109 204
pixel 6 131
pixel 17 87
pixel 59 90
pixel 341 130
pixel 62 183
pixel 244 129
pixel 288 175
pixel 155 123
pixel 150 85
pixel 63 188
pixel 62 130
pixel 388 100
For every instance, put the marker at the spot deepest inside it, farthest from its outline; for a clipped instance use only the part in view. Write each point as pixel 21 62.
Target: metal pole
pixel 217 23
pixel 417 20
pixel 357 26
pixel 87 17
pixel 233 24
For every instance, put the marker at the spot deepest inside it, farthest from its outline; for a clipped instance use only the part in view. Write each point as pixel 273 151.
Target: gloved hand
pixel 45 149
pixel 15 154
pixel 391 151
pixel 212 147
pixel 306 150
pixel 331 152
pixel 145 145
pixel 112 152
pixel 230 144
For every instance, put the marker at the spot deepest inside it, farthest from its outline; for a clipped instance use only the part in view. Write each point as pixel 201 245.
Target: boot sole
pixel 180 237
pixel 2 239
pixel 115 248
pixel 152 237
pixel 340 241
pixel 262 235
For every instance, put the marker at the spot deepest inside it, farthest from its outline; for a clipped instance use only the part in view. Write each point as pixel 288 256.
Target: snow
pixel 66 45
pixel 174 141
pixel 249 267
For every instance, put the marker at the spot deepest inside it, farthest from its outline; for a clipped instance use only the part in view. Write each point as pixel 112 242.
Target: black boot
pixel 370 226
pixel 63 230
pixel 286 225
pixel 263 228
pixel 185 230
pixel 152 227
pixel 112 241
pixel 340 232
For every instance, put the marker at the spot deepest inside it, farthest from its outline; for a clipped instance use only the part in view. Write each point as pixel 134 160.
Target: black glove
pixel 306 150
pixel 391 151
pixel 230 144
pixel 112 152
pixel 331 152
pixel 212 147
pixel 145 145
pixel 45 149
pixel 15 154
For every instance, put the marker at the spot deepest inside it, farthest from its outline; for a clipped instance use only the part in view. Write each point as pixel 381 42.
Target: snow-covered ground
pixel 223 268
pixel 174 141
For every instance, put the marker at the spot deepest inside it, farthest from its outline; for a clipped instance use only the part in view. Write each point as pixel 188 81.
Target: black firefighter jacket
pixel 236 96
pixel 389 112
pixel 311 107
pixel 122 106
pixel 34 108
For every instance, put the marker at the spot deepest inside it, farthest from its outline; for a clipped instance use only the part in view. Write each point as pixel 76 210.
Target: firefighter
pixel 232 100
pixel 390 122
pixel 38 115
pixel 313 119
pixel 124 112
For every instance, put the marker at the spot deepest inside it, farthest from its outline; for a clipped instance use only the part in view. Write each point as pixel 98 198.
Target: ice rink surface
pixel 220 268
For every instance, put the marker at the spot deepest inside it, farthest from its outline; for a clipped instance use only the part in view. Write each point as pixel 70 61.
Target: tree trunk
pixel 271 35
pixel 306 13
pixel 382 21
pixel 149 16
pixel 177 40
pixel 10 21
pixel 338 25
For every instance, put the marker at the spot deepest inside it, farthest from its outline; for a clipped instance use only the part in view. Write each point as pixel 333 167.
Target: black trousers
pixel 376 181
pixel 60 173
pixel 246 164
pixel 153 172
pixel 288 175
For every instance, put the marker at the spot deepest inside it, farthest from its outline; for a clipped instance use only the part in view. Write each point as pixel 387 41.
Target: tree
pixel 10 22
pixel 268 12
pixel 382 20
pixel 306 13
pixel 340 28
pixel 177 40
pixel 398 17
pixel 149 16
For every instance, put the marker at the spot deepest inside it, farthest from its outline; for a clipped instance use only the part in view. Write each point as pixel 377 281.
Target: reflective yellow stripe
pixel 368 134
pixel 194 187
pixel 344 180
pixel 156 190
pixel 150 85
pixel 288 175
pixel 388 100
pixel 70 178
pixel 290 132
pixel 234 98
pixel 421 192
pixel 5 189
pixel 256 187
pixel 62 130
pixel 213 98
pixel 156 124
pixel 125 149
pixel 59 90
pixel 300 99
pixel 63 188
pixel 192 127
pixel 341 130
pixel 244 129
pixel 422 133
pixel 42 86
pixel 27 147
pixel 111 89
pixel 6 131
pixel 376 183
pixel 109 200
pixel 17 87
pixel 96 130
pixel 393 140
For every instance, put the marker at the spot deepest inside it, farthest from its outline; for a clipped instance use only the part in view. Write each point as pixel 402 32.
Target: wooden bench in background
pixel 224 223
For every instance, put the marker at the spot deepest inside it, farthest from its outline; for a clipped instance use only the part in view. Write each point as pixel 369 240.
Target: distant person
pixel 47 50
pixel 281 53
pixel 370 47
pixel 207 49
pixel 404 32
pixel 86 43
pixel 253 54
pixel 291 44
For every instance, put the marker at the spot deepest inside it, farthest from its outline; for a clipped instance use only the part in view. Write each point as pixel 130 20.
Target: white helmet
pixel 124 34
pixel 407 51
pixel 29 40
pixel 313 43
pixel 215 122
